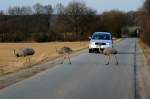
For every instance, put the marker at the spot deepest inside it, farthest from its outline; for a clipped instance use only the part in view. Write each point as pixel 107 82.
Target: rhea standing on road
pixel 110 52
pixel 65 52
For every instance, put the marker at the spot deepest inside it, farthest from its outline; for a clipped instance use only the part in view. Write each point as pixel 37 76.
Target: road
pixel 86 78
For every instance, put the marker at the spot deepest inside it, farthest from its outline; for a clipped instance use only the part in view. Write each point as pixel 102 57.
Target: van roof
pixel 102 33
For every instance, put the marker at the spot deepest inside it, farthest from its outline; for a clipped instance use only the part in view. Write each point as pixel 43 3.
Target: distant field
pixel 9 63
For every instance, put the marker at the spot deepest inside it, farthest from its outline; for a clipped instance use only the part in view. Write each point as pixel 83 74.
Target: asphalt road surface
pixel 86 78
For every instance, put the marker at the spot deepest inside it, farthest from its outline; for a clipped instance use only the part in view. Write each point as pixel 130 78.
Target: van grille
pixel 100 43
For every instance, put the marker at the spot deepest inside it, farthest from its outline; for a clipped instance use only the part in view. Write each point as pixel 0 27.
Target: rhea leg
pixel 100 51
pixel 28 61
pixel 64 57
pixel 69 58
pixel 108 60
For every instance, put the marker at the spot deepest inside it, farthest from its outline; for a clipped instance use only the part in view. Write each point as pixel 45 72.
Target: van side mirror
pixel 90 38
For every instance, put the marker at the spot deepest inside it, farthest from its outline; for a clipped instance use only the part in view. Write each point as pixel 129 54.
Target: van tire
pixel 90 50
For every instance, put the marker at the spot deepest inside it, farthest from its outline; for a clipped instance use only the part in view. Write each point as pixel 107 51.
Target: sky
pixel 99 5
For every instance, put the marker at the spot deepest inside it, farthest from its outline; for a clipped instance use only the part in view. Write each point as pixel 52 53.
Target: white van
pixel 100 40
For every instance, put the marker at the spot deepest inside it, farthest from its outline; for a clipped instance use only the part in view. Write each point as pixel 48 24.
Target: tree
pixel 77 17
pixel 143 20
pixel 38 9
pixel 113 22
pixel 146 6
pixel 42 10
pixel 59 9
pixel 14 10
pixel 2 12
pixel 25 10
pixel 131 16
pixel 48 10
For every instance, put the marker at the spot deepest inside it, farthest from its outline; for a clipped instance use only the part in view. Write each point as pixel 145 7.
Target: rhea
pixel 110 52
pixel 24 52
pixel 65 53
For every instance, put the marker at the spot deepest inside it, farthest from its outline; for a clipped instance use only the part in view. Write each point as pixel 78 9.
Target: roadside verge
pixel 143 74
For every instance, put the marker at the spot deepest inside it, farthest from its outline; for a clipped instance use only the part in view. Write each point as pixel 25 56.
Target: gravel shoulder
pixel 143 75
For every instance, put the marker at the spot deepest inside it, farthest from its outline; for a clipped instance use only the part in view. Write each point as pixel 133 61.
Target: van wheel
pixel 90 51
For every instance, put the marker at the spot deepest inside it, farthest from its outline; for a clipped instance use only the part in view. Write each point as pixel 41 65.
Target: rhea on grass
pixel 65 52
pixel 110 52
pixel 24 52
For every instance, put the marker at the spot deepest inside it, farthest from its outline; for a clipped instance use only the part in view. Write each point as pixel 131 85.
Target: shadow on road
pixel 139 53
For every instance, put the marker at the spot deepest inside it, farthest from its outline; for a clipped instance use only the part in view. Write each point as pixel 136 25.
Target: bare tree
pixel 14 10
pixel 2 12
pixel 113 22
pixel 25 10
pixel 59 9
pixel 38 9
pixel 146 6
pixel 42 10
pixel 77 14
pixel 48 10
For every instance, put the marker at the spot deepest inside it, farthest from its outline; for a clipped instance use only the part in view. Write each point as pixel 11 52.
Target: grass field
pixel 43 51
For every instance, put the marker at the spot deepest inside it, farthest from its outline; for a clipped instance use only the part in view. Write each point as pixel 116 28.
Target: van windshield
pixel 101 37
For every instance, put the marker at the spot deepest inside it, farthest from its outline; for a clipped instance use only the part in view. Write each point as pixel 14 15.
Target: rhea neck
pixel 16 54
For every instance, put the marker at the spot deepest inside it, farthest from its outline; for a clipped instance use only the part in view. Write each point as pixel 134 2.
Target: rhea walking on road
pixel 65 52
pixel 110 52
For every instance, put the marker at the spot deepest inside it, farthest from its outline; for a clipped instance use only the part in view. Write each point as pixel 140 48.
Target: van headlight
pixel 107 43
pixel 92 43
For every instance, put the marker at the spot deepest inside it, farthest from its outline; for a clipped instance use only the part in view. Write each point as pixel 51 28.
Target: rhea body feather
pixel 65 51
pixel 23 52
pixel 108 51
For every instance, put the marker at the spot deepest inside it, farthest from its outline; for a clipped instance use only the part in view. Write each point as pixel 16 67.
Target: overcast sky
pixel 99 5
